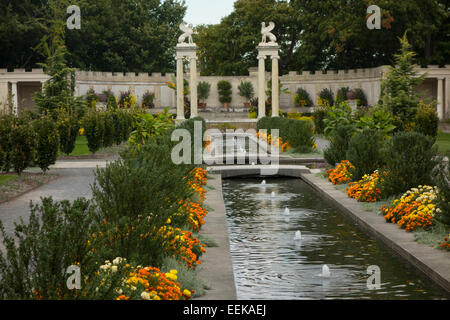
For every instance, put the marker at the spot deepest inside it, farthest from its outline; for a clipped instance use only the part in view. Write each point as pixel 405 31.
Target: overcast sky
pixel 207 11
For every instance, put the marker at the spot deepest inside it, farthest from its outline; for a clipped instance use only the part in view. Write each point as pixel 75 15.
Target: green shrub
pixel 319 116
pixel 246 90
pixel 23 145
pixel 6 125
pixel 127 100
pixel 410 159
pixel 365 153
pixel 34 262
pixel 148 126
pixel 298 133
pixel 47 142
pixel 442 181
pixel 379 118
pixel 302 98
pixel 133 191
pixel 427 120
pixel 203 90
pixel 341 95
pixel 94 128
pixel 360 97
pixel 108 134
pixel 338 116
pixel 111 101
pixel 339 144
pixel 224 87
pixel 327 96
pixel 68 127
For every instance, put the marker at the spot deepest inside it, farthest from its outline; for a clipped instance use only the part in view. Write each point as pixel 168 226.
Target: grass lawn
pixel 81 147
pixel 443 141
pixel 5 178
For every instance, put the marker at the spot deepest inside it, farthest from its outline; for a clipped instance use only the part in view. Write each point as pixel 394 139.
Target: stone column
pixel 15 98
pixel 193 86
pixel 180 89
pixel 447 97
pixel 440 98
pixel 275 87
pixel 261 87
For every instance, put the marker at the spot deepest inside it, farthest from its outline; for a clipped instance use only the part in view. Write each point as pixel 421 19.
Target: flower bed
pixel 341 174
pixel 284 146
pixel 415 209
pixel 366 189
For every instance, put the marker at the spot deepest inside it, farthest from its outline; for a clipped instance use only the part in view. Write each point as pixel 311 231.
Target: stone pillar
pixel 275 87
pixel 447 97
pixel 193 86
pixel 15 98
pixel 180 89
pixel 261 87
pixel 440 98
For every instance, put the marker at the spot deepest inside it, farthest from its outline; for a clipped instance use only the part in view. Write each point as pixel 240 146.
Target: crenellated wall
pixel 367 79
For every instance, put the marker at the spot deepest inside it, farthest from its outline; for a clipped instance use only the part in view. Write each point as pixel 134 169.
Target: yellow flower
pixel 187 293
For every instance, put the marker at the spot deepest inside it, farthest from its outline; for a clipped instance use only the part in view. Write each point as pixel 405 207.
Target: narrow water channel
pixel 270 264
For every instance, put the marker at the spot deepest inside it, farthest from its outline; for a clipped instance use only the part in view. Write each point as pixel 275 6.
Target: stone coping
pixel 217 267
pixel 293 171
pixel 433 263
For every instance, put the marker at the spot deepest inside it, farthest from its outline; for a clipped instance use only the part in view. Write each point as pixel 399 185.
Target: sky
pixel 207 11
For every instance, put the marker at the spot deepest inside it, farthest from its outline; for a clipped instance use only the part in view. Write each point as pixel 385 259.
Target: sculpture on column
pixel 187 33
pixel 266 33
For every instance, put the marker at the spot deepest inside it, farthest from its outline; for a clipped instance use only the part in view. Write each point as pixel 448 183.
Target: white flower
pixel 145 296
pixel 117 261
pixel 114 268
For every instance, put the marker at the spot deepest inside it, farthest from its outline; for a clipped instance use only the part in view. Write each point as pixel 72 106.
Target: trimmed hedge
pixel 298 133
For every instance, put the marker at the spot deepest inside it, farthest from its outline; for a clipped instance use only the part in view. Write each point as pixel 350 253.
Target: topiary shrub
pixel 224 88
pixel 108 133
pixel 203 90
pixel 410 159
pixel 302 98
pixel 341 95
pixel 68 127
pixel 427 120
pixel 94 128
pixel 47 142
pixel 365 153
pixel 23 144
pixel 246 90
pixel 339 144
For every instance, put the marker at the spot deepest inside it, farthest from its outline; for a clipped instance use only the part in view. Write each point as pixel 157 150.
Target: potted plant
pixel 203 90
pixel 302 98
pixel 224 88
pixel 147 100
pixel 246 91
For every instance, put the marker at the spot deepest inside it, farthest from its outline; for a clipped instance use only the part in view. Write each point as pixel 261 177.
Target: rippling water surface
pixel 269 264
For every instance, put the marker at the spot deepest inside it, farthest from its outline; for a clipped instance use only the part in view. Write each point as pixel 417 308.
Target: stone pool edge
pixel 433 263
pixel 216 269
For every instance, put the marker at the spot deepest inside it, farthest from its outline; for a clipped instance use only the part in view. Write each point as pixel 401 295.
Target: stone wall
pixel 366 79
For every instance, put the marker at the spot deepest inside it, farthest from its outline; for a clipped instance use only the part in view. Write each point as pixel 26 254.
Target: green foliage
pixel 365 152
pixel 360 97
pixel 94 128
pixel 341 95
pixel 23 144
pixel 298 133
pixel 377 119
pixel 68 127
pixel 246 90
pixel 47 142
pixel 108 134
pixel 398 91
pixel 147 100
pixel 224 88
pixel 302 98
pixel 410 159
pixel 427 120
pixel 442 181
pixel 133 192
pixel 91 98
pixel 35 260
pixel 319 117
pixel 6 125
pixel 148 126
pixel 203 90
pixel 338 116
pixel 327 96
pixel 340 137
pixel 126 100
pixel 111 101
